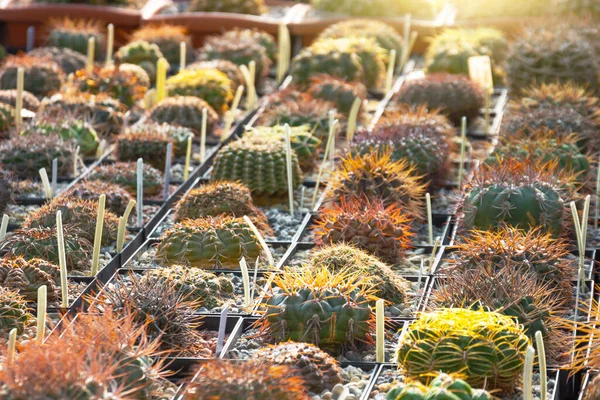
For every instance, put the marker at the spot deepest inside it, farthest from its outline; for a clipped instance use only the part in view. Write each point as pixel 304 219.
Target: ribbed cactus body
pixel 443 387
pixel 25 277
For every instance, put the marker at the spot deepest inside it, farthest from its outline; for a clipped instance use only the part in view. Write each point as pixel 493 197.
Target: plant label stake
pixel 90 54
pixel 429 217
pixel 284 42
pixel 203 136
pixel 433 254
pixel 150 99
pixel 488 104
pixel 420 274
pixel 254 279
pixel 188 157
pixel 380 331
pixel 140 193
pixel 328 149
pixel 54 176
pixel 30 38
pixel 288 160
pixel 46 183
pixel 528 374
pixel 390 71
pixel 352 119
pixel 231 113
pixel 168 171
pixel 19 102
pixel 261 240
pixel 42 299
pixel 110 33
pixel 480 72
pixel 539 341
pixel 4 227
pixel 245 281
pixel 98 234
pixel 62 261
pixel 302 190
pixel 411 45
pixel 251 89
pixel 182 53
pixel 221 333
pixel 406 40
pixel 161 77
pixel 581 233
pixel 463 145
pixel 597 205
pixel 123 225
pixel 12 344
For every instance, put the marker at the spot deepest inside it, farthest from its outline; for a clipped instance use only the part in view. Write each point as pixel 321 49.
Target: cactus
pixel 80 214
pixel 125 174
pixel 26 276
pixel 252 7
pixel 9 97
pixel 6 191
pixel 336 91
pixel 592 390
pixel 42 76
pixel 218 379
pixel 101 111
pixel 548 56
pixel 209 242
pixel 488 348
pixel 196 284
pixel 74 34
pixel 319 307
pixel 117 198
pixel 319 370
pixel 142 53
pixel 386 283
pixel 121 85
pixel 515 194
pixel 140 73
pixel 264 39
pixel 454 95
pixel 368 224
pixel 306 146
pixel 227 67
pixel 259 163
pixel 149 144
pixel 212 86
pixel 14 313
pixel 376 176
pixel 42 243
pixel 221 197
pixel 66 128
pixel 25 156
pixel 443 386
pixel 426 9
pixel 167 38
pixel 7 118
pixel 177 134
pixel 185 111
pixel 68 60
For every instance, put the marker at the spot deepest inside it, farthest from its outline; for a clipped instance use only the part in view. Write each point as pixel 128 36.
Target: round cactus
pixel 227 67
pixel 26 276
pixel 14 313
pixel 74 34
pixel 117 198
pixel 30 102
pixel 210 242
pixel 121 85
pixel 185 111
pixel 167 38
pixel 259 163
pixel 488 348
pixel 140 73
pixel 42 76
pixel 68 60
pixel 149 144
pixel 178 135
pixel 125 174
pixel 336 91
pixel 252 7
pixel 212 86
pixel 443 386
pixel 67 129
pixel 141 53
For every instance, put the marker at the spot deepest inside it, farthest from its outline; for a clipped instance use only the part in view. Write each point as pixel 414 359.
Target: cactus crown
pixel 566 94
pixel 385 35
pixel 14 312
pixel 211 85
pixel 26 277
pixel 117 198
pixel 144 142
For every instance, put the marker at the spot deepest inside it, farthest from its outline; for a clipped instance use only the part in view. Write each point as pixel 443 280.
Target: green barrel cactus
pixel 141 53
pixel 82 132
pixel 340 93
pixel 125 175
pixel 117 198
pixel 148 144
pixel 68 60
pixel 212 86
pixel 42 76
pixel 442 387
pixel 74 34
pixel 184 111
pixel 26 276
pixel 227 67
pixel 14 313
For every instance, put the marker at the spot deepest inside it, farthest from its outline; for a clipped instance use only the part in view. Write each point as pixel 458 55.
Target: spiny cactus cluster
pixel 184 111
pixel 14 313
pixel 42 76
pixel 148 144
pixel 167 38
pixel 230 69
pixel 442 386
pixel 125 174
pixel 74 34
pixel 9 97
pixel 141 53
pixel 68 60
pixel 67 128
pixel 117 197
pixel 212 86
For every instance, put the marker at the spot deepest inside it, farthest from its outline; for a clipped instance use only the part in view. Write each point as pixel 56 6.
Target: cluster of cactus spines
pixel 544 55
pixel 219 379
pixel 375 175
pixel 350 59
pixel 67 128
pixel 251 7
pixel 26 276
pixel 42 75
pixel 241 46
pixel 104 113
pixel 196 284
pixel 42 243
pixel 7 190
pixel 534 251
pixel 450 51
pixel 30 102
pixel 185 111
pixel 212 86
pixel 149 144
pixel 368 224
pixel 125 174
pixel 24 156
pixel 142 53
pixel 342 94
pixel 211 243
pixel 386 283
pixel 306 145
pixel 517 194
pixel 221 197
pixel 117 198
pixel 319 370
pixel 227 67
pixel 330 310
pixel 168 38
pixel 488 348
pixel 74 34
pixel 259 163
pixel 14 313
pixel 7 119
pixel 121 85
pixel 178 135
pixel 78 213
pixel 592 390
pixel 68 60
pixel 442 386
pixel 454 95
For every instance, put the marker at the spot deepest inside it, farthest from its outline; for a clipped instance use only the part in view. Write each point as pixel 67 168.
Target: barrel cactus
pixel 142 53
pixel 212 86
pixel 121 85
pixel 42 76
pixel 67 128
pixel 74 34
pixel 211 242
pixel 14 313
pixel 125 175
pixel 227 67
pixel 340 93
pixel 184 111
pixel 488 348
pixel 26 276
pixel 251 7
pixel 168 38
pixel 443 386
pixel 30 102
pixel 148 144
pixel 68 60
pixel 117 198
